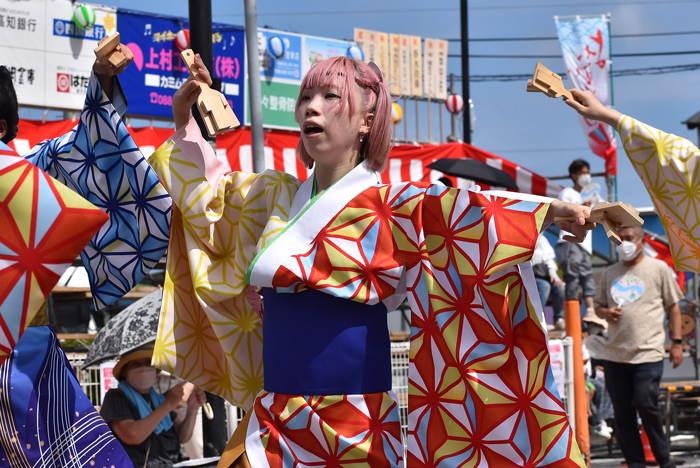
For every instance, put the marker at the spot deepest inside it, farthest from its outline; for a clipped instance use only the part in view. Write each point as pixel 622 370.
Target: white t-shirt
pixel 570 195
pixel 544 253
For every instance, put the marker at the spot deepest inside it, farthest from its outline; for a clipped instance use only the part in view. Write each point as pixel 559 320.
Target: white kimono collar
pixel 297 237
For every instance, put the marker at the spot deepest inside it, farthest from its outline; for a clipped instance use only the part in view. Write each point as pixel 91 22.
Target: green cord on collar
pixel 314 188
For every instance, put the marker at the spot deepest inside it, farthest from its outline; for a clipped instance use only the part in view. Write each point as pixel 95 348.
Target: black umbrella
pixel 131 328
pixel 474 170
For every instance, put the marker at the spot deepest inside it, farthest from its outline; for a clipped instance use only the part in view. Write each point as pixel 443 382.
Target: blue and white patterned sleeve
pixel 99 160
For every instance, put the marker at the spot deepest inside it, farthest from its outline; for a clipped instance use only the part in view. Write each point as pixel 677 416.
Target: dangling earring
pixel 362 137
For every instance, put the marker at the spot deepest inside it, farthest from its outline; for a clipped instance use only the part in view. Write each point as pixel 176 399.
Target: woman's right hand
pixel 591 108
pixel 187 95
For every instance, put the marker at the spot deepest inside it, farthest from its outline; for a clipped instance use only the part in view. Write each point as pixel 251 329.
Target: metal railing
pixel 90 381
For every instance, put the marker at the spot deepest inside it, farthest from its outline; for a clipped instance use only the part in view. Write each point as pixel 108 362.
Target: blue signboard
pixel 285 68
pixel 66 28
pixel 158 71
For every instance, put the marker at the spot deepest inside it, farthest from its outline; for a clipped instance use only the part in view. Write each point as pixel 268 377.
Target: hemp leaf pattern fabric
pixel 481 392
pixel 44 227
pixel 668 166
pixel 208 332
pixel 99 160
pixel 480 386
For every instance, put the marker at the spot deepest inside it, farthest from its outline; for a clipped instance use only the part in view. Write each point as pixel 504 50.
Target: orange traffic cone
pixel 648 454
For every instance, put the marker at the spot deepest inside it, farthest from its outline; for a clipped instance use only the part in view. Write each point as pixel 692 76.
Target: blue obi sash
pixel 318 344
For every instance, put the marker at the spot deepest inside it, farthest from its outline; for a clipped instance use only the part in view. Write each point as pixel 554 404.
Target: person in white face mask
pixel 143 420
pixel 632 296
pixel 575 259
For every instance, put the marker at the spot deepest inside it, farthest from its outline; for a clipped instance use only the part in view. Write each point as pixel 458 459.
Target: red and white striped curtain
pixel 406 162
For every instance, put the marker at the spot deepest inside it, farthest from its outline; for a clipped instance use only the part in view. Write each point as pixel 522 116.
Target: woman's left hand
pixel 579 227
pixel 196 400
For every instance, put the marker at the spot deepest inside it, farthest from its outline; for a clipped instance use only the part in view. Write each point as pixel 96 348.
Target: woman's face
pixel 145 362
pixel 327 132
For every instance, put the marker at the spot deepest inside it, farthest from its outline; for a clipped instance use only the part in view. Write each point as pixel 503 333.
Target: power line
pixel 578 5
pixel 556 38
pixel 539 56
pixel 537 150
pixel 615 73
pixel 425 10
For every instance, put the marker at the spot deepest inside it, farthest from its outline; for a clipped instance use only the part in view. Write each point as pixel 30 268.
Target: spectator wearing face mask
pixel 632 296
pixel 144 421
pixel 575 259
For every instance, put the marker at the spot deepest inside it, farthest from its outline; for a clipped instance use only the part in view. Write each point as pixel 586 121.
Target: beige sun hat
pixel 593 318
pixel 142 352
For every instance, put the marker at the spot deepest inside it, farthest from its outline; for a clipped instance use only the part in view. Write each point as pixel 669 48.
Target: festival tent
pixel 406 162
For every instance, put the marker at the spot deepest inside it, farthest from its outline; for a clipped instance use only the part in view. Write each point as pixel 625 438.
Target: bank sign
pixel 158 71
pixel 48 56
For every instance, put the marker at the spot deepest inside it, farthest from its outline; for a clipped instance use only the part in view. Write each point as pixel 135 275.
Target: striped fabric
pixel 407 163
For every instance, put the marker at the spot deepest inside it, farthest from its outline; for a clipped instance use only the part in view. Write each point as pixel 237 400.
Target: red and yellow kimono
pixel 481 392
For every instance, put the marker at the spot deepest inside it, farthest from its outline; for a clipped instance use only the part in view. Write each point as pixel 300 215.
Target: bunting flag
pixel 45 225
pixel 585 44
pixel 407 163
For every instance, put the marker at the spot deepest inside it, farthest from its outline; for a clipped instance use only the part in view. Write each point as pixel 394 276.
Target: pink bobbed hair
pixel 354 73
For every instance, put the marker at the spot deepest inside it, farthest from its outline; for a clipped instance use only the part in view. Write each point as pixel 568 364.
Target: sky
pixel 529 129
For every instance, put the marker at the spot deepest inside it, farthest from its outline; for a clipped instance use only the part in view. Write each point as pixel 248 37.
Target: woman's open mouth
pixel 312 130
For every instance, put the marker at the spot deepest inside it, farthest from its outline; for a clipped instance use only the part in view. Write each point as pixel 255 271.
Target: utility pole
pixel 254 89
pixel 200 42
pixel 466 117
pixel 453 132
pixel 214 430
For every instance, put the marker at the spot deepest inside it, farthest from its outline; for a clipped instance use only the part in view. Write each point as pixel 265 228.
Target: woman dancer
pixel 331 257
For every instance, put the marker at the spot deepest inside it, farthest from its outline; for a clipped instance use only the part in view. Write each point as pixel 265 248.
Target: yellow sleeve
pixel 208 333
pixel 668 167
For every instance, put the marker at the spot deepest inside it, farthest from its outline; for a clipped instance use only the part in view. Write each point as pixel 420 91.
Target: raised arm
pixel 591 108
pixel 100 161
pixel 666 164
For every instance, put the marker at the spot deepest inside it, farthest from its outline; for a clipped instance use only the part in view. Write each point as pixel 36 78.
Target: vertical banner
pixel 371 50
pixel 441 69
pixel 360 37
pixel 394 59
pixel 429 68
pixel 585 44
pixel 416 66
pixel 405 59
pixel 383 52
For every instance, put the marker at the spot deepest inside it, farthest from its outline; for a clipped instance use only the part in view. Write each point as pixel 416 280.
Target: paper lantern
pixel 276 47
pixel 84 16
pixel 354 52
pixel 396 113
pixel 182 39
pixel 454 103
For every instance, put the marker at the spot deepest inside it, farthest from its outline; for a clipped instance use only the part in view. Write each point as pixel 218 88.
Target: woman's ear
pixel 367 123
pixel 3 128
